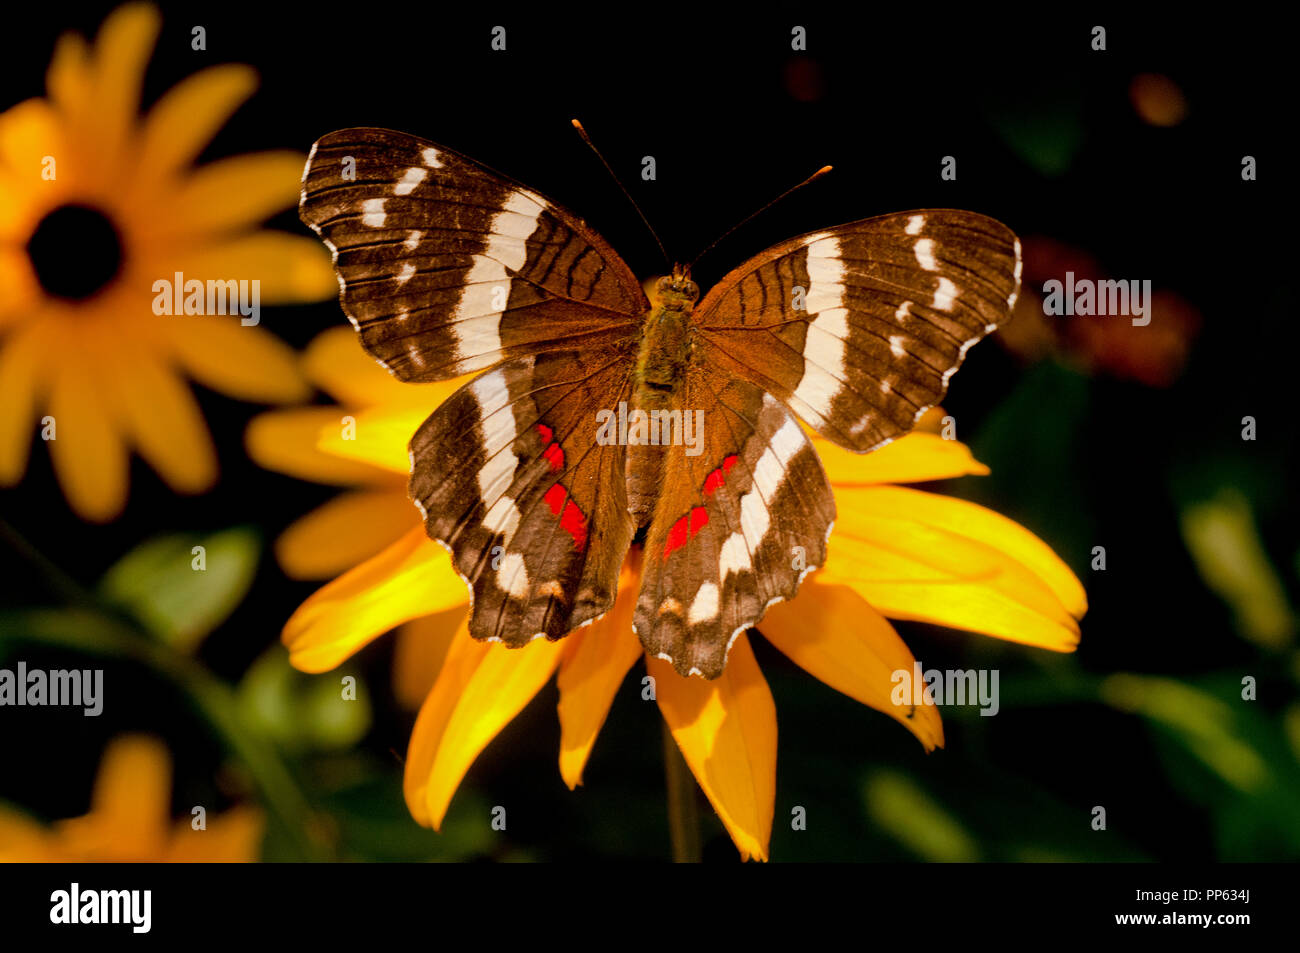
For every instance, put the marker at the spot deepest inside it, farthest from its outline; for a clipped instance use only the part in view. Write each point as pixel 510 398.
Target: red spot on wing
pixel 719 476
pixel 553 453
pixel 572 520
pixel 699 519
pixel 677 537
pixel 686 528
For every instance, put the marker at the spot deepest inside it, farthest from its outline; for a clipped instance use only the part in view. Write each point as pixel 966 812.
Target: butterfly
pixel 597 419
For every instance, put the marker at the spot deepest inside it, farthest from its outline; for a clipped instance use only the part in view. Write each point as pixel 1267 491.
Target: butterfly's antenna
pixel 753 215
pixel 587 139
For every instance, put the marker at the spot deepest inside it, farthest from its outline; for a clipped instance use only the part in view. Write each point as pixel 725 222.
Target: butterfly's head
pixel 677 292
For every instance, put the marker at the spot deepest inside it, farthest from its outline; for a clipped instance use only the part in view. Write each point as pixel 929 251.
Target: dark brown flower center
pixel 75 251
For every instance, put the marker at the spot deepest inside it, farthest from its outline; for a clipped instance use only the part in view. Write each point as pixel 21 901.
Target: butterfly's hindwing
pixel 736 528
pixel 510 478
pixel 446 267
pixel 860 327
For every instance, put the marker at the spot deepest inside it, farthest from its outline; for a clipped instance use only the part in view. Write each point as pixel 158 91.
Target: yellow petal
pixel 23 374
pixel 836 636
pixel 243 361
pixel 121 52
pixel 23 841
pixel 379 437
pixel 726 730
pixel 19 289
pixel 914 458
pixel 132 798
pixel 337 364
pixel 422 645
pixel 971 521
pixel 911 571
pixel 188 115
pixel 17 218
pixel 68 81
pixel 162 416
pixel 285 441
pixel 88 454
pixel 232 193
pixel 29 132
pixel 411 578
pixel 291 268
pixel 234 837
pixel 345 531
pixel 595 663
pixel 482 686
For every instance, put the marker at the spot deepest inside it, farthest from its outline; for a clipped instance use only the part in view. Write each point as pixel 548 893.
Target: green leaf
pixel 182 587
pixel 374 824
pixel 1225 753
pixel 1223 538
pixel 302 711
pixel 77 629
pixel 908 813
pixel 1207 726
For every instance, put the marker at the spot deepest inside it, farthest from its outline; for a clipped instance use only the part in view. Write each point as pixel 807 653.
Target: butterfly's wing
pixel 737 525
pixel 859 328
pixel 446 267
pixel 511 479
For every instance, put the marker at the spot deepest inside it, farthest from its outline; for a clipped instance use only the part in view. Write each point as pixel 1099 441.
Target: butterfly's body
pixel 665 341
pixel 663 355
pixel 536 474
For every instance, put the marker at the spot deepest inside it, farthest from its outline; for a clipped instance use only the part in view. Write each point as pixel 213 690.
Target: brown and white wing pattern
pixel 446 267
pixel 859 328
pixel 511 479
pixel 737 525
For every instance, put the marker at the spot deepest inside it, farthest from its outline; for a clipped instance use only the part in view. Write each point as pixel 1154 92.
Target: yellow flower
pixel 895 552
pixel 129 820
pixel 363 521
pixel 96 206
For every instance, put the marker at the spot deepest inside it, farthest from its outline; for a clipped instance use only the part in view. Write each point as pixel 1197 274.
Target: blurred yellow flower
pixel 895 552
pixel 96 207
pixel 129 820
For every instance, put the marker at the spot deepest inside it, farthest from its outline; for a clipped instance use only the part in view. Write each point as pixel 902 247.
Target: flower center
pixel 75 252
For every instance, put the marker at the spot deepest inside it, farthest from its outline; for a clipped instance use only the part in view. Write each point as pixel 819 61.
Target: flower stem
pixel 683 811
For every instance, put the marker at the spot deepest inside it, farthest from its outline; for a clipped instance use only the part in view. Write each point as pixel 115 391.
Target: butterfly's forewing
pixel 736 526
pixel 859 328
pixel 447 267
